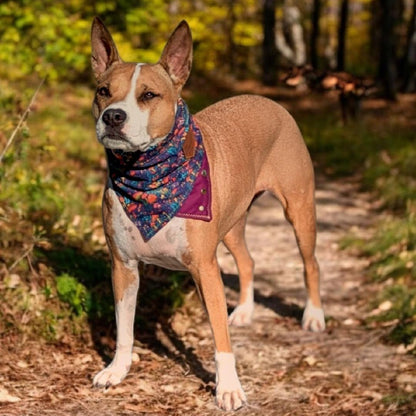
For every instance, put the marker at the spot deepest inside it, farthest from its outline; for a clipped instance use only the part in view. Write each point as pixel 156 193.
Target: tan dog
pixel 252 145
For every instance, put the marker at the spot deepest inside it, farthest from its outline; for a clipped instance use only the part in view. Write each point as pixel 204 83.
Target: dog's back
pixel 259 134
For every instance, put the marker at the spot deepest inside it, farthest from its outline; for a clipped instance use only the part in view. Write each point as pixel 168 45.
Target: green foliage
pixel 342 151
pixel 392 173
pixel 393 260
pixel 53 38
pixel 402 398
pixel 47 38
pixel 174 290
pixel 403 309
pixel 51 183
pixel 393 248
pixel 72 292
pixel 386 161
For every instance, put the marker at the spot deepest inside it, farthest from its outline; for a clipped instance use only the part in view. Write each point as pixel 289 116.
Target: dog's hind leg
pixel 235 242
pixel 300 211
pixel 297 196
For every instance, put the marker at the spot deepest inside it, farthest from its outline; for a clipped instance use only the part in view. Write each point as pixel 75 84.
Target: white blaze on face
pixel 134 134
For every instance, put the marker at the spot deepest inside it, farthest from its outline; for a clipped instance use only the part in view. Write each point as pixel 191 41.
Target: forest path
pixel 346 370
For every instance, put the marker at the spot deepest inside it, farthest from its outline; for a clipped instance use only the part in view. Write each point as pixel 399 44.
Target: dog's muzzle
pixel 110 129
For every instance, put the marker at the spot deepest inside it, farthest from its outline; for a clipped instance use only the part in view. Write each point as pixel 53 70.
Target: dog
pixel 179 185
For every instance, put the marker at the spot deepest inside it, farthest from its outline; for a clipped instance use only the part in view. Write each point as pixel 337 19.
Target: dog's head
pixel 135 104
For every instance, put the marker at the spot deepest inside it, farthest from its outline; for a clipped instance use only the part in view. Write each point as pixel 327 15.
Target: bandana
pixel 164 181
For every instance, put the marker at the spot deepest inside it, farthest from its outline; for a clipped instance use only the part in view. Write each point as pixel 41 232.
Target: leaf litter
pixel 285 371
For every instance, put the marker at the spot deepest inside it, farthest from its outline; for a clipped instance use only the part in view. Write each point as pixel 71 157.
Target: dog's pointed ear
pixel 104 50
pixel 177 55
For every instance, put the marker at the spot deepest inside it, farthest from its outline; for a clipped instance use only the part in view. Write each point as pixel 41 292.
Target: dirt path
pixel 345 371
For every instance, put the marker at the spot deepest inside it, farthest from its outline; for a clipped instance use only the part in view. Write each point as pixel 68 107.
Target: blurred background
pixel 344 68
pixel 244 39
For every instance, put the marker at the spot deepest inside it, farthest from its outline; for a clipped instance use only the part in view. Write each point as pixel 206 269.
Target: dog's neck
pixel 179 138
pixel 153 185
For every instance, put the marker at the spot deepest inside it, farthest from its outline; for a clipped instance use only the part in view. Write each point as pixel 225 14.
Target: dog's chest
pixel 164 249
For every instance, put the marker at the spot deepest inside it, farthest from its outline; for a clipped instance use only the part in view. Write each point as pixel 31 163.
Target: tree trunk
pixel 292 46
pixel 409 84
pixel 230 23
pixel 387 59
pixel 269 64
pixel 342 31
pixel 316 14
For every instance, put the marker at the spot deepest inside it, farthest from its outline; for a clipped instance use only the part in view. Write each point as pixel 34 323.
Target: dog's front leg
pixel 229 393
pixel 125 278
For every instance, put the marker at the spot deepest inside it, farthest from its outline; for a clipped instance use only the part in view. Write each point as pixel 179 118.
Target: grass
pixel 399 399
pixel 383 156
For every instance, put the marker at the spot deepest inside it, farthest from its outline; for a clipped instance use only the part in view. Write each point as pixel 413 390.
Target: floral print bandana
pixel 153 186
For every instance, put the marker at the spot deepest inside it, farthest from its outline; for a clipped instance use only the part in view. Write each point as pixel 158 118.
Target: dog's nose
pixel 114 117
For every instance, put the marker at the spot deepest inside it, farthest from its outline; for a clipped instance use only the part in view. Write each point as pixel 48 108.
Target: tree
pixel 269 64
pixel 316 14
pixel 289 36
pixel 387 71
pixel 230 24
pixel 409 84
pixel 342 31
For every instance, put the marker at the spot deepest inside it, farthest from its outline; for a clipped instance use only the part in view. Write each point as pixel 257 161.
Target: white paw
pixel 242 315
pixel 229 394
pixel 313 318
pixel 110 376
pixel 230 397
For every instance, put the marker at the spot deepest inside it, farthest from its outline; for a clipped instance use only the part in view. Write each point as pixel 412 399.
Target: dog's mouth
pixel 116 142
pixel 120 142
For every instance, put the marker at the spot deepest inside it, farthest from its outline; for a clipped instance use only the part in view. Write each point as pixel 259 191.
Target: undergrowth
pixel 54 265
pixel 50 186
pixel 383 156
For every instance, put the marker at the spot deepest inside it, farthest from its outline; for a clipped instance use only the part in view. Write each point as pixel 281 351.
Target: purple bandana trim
pixel 198 203
pixel 156 185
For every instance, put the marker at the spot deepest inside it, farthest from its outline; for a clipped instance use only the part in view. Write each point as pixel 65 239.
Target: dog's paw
pixel 313 318
pixel 110 376
pixel 242 315
pixel 230 397
pixel 229 394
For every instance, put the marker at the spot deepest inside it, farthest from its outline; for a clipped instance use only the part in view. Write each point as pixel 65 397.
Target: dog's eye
pixel 103 92
pixel 147 96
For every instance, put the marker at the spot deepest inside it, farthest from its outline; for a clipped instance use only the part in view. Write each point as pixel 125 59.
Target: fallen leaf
pixel 13 281
pixel 168 388
pixel 310 360
pixel 385 306
pixel 373 395
pixel 406 378
pixel 6 397
pixel 22 364
pixel 318 374
pixel 135 358
pixel 351 322
pixel 144 386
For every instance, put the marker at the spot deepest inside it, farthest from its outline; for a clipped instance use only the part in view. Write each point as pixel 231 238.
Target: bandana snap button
pixel 203 191
pixel 204 173
pixel 201 207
